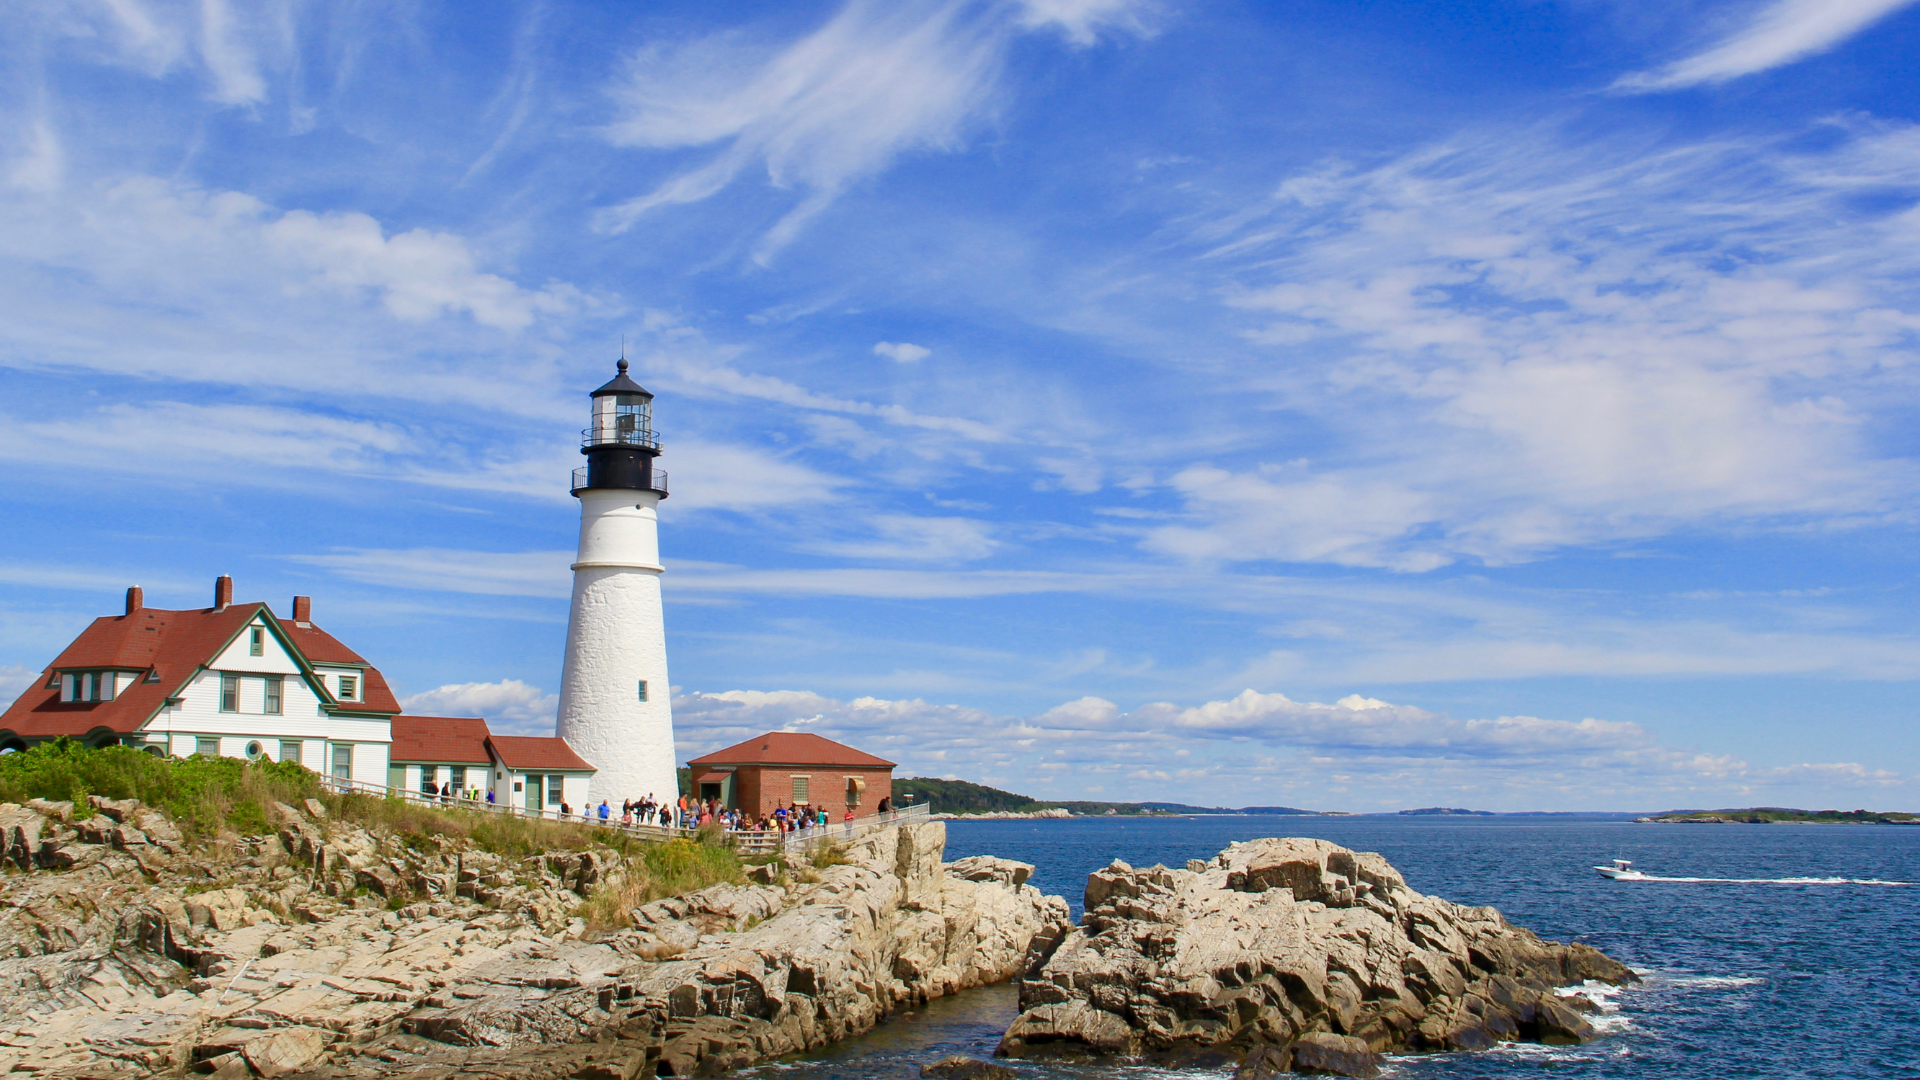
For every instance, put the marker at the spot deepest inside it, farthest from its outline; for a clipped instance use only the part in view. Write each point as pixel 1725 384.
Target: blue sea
pixel 1746 975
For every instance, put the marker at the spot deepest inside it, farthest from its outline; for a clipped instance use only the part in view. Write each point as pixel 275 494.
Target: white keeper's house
pixel 235 680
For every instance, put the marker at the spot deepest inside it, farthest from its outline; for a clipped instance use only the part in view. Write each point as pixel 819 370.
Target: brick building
pixel 785 768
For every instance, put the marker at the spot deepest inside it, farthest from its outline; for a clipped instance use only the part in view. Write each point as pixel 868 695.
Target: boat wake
pixel 1759 881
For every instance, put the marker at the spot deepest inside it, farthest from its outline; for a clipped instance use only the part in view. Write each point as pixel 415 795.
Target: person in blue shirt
pixel 604 810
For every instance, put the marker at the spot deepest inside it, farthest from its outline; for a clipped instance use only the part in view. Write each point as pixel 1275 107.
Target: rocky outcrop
pixel 328 950
pixel 1318 957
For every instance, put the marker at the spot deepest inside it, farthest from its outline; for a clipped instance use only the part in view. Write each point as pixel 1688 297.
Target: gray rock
pixel 1291 942
pixel 960 1067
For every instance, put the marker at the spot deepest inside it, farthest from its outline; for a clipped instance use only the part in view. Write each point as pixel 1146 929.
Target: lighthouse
pixel 614 704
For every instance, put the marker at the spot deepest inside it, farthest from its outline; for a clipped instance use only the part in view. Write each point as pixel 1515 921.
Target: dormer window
pixel 86 686
pixel 349 688
pixel 257 641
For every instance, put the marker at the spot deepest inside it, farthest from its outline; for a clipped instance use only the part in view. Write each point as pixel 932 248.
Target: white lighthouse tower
pixel 614 707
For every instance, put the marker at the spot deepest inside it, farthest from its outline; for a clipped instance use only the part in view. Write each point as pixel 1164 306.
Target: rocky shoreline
pixel 1294 954
pixel 124 962
pixel 325 950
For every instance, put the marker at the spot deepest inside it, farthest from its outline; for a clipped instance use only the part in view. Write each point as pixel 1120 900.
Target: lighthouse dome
pixel 620 384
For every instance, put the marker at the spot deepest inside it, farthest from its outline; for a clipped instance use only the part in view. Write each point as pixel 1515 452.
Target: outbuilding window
pixel 800 786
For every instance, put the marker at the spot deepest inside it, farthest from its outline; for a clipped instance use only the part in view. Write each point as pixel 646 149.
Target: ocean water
pixel 1749 974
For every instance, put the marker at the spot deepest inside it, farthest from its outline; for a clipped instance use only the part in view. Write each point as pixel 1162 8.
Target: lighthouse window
pixel 643 689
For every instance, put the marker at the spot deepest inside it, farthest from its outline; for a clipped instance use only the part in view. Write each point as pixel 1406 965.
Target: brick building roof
pixel 793 748
pixel 452 739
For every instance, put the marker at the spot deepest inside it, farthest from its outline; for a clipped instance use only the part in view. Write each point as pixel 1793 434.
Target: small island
pixel 1768 815
pixel 964 799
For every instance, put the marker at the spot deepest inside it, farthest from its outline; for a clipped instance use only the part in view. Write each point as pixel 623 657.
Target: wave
pixel 1764 881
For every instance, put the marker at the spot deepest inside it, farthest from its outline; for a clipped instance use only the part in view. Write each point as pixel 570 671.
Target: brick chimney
pixel 222 592
pixel 135 599
pixel 303 609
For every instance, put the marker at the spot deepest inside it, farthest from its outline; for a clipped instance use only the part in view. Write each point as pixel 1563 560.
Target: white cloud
pixel 509 706
pixel 1533 348
pixel 1780 33
pixel 1259 749
pixel 877 81
pixel 701 375
pixel 14 680
pixel 1082 20
pixel 232 44
pixel 927 539
pixel 904 352
pixel 519 573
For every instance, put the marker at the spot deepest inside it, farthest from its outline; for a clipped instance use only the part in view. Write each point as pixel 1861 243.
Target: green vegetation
pixel 1761 815
pixel 962 797
pixel 210 796
pixel 662 870
pixel 204 796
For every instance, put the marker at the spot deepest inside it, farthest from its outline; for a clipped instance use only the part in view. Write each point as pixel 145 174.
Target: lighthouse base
pixel 616 643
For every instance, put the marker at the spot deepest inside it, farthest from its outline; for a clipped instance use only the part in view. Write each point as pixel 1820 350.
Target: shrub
pixel 205 796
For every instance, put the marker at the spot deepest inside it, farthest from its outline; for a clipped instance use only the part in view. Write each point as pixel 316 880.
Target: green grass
pixel 204 796
pixel 673 868
pixel 210 796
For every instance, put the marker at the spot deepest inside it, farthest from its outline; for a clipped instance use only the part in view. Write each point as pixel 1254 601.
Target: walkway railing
pixel 749 841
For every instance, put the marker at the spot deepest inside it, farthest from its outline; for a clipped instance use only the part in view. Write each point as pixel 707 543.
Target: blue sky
pixel 1348 405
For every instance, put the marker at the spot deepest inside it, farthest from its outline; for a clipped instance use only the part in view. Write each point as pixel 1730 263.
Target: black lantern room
pixel 620 445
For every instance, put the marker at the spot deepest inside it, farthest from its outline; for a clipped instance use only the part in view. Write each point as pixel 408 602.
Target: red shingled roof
pixel 532 753
pixel 792 748
pixel 320 647
pixel 461 739
pixel 173 643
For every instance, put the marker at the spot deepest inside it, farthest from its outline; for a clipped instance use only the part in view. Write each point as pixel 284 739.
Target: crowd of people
pixel 685 813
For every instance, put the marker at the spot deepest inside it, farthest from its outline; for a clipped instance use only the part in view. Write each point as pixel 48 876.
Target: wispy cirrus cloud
pixel 877 81
pixel 1567 346
pixel 1781 32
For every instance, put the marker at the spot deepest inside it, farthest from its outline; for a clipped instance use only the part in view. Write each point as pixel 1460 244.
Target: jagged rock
pixel 316 808
pixel 286 1050
pixel 1318 956
pixel 280 969
pixel 58 811
pixel 989 868
pixel 120 811
pixel 221 909
pixel 960 1067
pixel 1334 1055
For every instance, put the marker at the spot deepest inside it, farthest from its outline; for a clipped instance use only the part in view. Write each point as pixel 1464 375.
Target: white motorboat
pixel 1621 870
